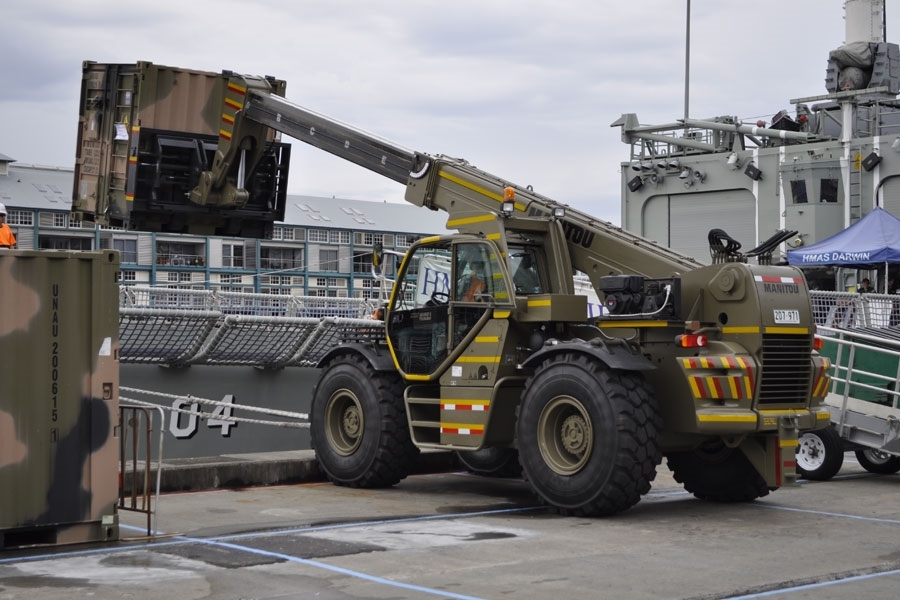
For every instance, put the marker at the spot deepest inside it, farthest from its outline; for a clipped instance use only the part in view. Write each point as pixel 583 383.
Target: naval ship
pixel 804 174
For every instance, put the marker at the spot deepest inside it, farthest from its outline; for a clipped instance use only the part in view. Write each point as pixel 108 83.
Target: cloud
pixel 525 90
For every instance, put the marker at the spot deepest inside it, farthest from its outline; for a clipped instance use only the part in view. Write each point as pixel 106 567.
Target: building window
pixel 339 237
pixel 60 219
pixel 231 282
pixel 179 254
pixel 362 263
pixel 129 276
pixel 176 280
pixel 318 235
pixel 281 258
pixel 829 190
pixel 61 243
pixel 20 217
pixel 404 241
pixel 233 256
pixel 328 260
pixel 127 251
pixel 798 191
pixel 370 239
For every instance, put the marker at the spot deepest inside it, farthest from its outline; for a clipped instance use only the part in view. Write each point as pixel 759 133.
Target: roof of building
pixel 50 188
pixel 341 213
pixel 34 187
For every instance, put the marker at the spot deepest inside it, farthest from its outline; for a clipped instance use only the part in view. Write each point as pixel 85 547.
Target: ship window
pixel 798 191
pixel 829 190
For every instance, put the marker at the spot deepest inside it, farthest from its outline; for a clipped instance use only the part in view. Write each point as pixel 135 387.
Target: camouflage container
pixel 145 134
pixel 59 401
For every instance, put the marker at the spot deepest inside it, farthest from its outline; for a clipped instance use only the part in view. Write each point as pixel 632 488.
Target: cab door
pixel 445 290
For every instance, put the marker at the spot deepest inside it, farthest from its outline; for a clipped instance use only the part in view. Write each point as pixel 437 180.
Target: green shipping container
pixel 59 374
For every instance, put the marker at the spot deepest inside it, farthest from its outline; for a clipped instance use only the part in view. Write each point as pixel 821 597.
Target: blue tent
pixel 871 242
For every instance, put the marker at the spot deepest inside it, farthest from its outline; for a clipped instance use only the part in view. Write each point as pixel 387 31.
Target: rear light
pixel 691 340
pixel 818 343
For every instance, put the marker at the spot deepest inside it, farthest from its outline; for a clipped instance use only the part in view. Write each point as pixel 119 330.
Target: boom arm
pixel 471 197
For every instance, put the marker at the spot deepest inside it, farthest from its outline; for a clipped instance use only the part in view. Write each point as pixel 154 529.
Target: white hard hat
pixel 2 209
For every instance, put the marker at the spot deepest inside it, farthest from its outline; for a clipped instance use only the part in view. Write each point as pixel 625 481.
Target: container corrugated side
pixel 59 404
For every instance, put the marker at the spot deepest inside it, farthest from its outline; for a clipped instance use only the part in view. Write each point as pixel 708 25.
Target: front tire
pixel 358 425
pixel 877 461
pixel 588 436
pixel 718 473
pixel 820 454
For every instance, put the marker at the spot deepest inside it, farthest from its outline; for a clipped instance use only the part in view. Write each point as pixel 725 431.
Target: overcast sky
pixel 523 89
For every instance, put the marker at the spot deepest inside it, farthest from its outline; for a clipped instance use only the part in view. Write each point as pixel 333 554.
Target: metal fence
pixel 239 303
pixel 845 310
pixel 185 327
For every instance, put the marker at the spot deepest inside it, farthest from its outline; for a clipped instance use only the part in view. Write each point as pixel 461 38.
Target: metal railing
pixel 241 303
pixel 185 327
pixel 846 310
pixel 135 430
pixel 864 396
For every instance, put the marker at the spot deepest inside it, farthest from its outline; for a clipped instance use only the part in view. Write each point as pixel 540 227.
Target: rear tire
pixel 820 454
pixel 358 425
pixel 877 461
pixel 491 462
pixel 717 473
pixel 588 436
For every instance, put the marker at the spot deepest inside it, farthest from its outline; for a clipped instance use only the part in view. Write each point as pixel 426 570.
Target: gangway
pixel 861 336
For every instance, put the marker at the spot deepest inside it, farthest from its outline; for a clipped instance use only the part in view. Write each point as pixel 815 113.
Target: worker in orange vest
pixel 7 237
pixel 473 283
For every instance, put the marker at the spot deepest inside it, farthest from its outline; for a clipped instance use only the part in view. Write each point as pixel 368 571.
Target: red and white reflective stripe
pixel 773 279
pixel 474 407
pixel 462 431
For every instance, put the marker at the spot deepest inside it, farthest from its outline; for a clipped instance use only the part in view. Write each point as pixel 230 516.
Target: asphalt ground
pixel 458 536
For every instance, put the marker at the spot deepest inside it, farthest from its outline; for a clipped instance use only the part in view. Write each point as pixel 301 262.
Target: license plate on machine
pixel 787 316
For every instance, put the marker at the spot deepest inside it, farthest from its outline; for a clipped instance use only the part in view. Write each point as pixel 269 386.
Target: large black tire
pixel 588 436
pixel 358 425
pixel 491 462
pixel 718 473
pixel 877 461
pixel 820 454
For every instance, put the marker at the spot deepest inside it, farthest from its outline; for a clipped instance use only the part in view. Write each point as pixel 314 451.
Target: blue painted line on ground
pixel 223 541
pixel 825 513
pixel 812 586
pixel 341 570
pixel 300 530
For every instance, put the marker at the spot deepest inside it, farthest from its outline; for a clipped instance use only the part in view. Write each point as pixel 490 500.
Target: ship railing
pixel 847 310
pixel 242 303
pixel 177 337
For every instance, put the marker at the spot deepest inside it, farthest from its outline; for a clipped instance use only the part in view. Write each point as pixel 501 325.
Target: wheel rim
pixel 810 452
pixel 344 422
pixel 565 435
pixel 877 457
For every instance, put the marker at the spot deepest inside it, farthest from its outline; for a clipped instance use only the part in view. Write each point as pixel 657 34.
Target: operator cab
pixel 446 290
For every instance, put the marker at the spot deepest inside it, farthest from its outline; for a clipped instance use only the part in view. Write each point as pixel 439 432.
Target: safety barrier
pixel 845 310
pixel 136 427
pixel 188 327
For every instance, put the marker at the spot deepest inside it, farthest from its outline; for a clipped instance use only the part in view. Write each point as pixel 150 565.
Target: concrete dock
pixel 458 536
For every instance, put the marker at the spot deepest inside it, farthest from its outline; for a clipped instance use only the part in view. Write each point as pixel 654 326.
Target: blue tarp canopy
pixel 872 241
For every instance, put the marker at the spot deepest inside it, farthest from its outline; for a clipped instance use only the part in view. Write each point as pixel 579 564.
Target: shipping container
pixel 59 401
pixel 146 132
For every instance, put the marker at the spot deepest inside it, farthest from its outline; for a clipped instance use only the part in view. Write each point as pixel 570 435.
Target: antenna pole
pixel 687 61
